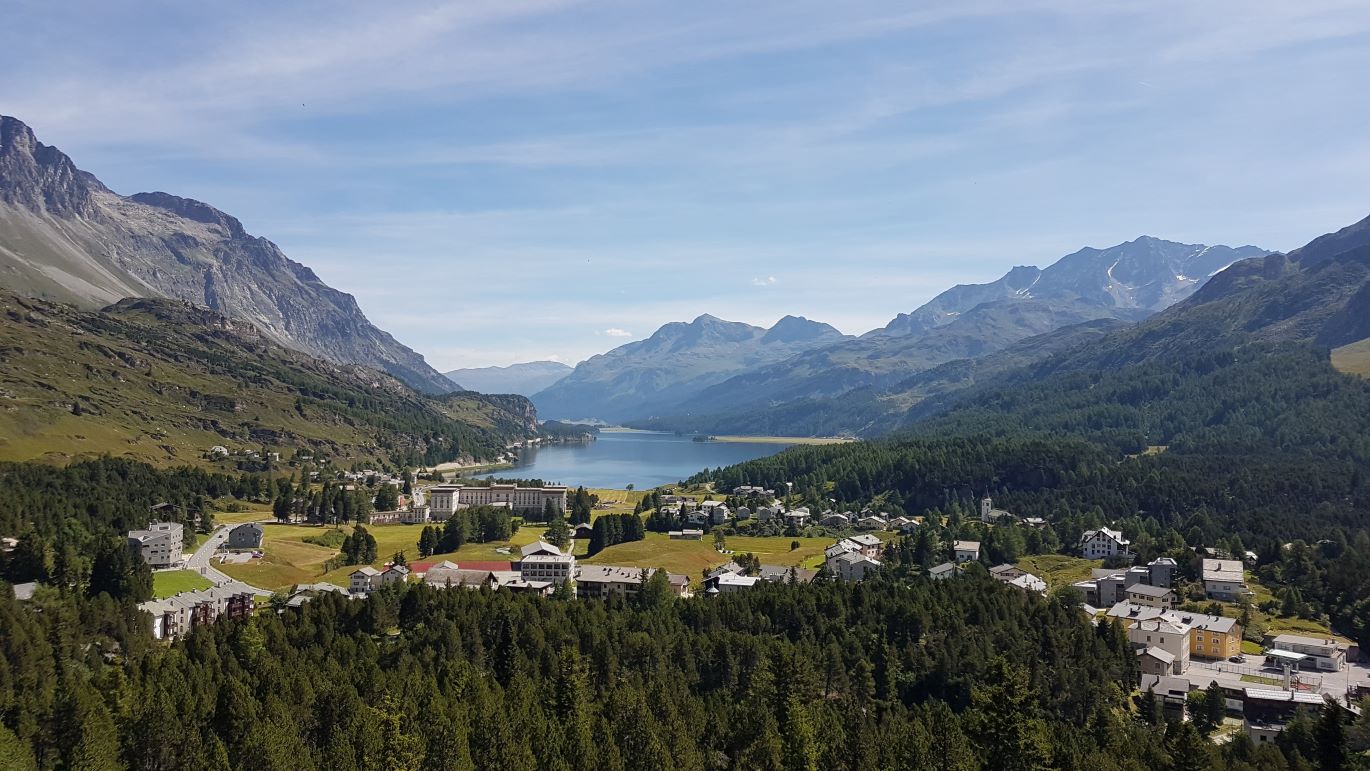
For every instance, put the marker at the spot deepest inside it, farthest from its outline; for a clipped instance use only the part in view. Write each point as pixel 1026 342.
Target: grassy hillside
pixel 162 381
pixel 1353 358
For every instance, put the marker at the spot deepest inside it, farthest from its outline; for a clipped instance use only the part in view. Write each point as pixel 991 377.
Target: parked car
pixel 1238 659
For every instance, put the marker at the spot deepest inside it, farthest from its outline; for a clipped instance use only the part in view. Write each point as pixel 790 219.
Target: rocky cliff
pixel 65 236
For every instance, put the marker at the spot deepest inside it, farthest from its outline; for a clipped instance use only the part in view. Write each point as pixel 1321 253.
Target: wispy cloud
pixel 634 163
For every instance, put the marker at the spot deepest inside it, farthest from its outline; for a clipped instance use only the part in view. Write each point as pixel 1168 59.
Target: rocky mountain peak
pixel 40 177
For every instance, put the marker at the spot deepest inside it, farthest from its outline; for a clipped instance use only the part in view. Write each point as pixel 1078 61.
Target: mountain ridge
pixel 676 361
pixel 524 378
pixel 65 236
pixel 163 380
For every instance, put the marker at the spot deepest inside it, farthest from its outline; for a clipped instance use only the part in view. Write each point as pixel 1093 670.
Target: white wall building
pixel 445 499
pixel 160 545
pixel 1101 543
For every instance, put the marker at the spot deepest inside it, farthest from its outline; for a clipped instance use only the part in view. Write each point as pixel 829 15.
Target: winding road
pixel 202 562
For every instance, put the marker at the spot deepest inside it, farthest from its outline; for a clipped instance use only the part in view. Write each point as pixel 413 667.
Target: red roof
pixel 421 567
pixel 464 565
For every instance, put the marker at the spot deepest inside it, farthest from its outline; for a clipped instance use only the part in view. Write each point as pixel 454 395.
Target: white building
pixel 1328 654
pixel 160 545
pixel 364 580
pixel 1101 543
pixel 852 566
pixel 966 551
pixel 1224 579
pixel 556 568
pixel 1171 637
pixel 445 499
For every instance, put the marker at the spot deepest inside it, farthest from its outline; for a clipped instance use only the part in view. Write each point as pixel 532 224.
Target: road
pixel 202 562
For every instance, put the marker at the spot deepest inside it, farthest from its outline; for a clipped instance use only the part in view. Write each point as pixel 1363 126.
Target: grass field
pixel 1353 358
pixel 253 513
pixel 692 558
pixel 1059 569
pixel 168 582
pixel 289 560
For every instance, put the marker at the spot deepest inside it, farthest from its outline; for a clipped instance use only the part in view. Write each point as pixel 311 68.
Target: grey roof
pixel 727 567
pixel 1158 653
pixel 1004 568
pixel 945 567
pixel 1320 642
pixel 966 545
pixel 538 546
pixel 25 591
pixel 782 573
pixel 612 574
pixel 1147 590
pixel 1223 570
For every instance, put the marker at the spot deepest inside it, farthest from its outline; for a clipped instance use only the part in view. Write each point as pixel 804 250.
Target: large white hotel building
pixel 445 499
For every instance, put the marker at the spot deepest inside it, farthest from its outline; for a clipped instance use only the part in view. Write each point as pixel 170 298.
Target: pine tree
pixel 558 534
pixel 428 542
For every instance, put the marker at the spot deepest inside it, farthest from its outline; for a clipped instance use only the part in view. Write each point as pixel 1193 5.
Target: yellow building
pixel 1210 637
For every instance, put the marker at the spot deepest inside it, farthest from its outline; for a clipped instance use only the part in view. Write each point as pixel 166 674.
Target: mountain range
pixel 524 379
pixel 798 394
pixel 678 361
pixel 65 236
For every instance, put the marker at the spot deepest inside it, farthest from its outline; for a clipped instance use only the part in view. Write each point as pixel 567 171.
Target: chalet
pixel 1028 583
pixel 1172 692
pixel 733 582
pixel 364 580
pixel 582 532
pixel 1101 543
pixel 1224 579
pixel 796 517
pixel 902 524
pixel 944 571
pixel 1006 572
pixel 852 566
pixel 395 574
pixel 780 574
pixel 1153 596
pixel 872 522
pixel 835 520
pixel 966 551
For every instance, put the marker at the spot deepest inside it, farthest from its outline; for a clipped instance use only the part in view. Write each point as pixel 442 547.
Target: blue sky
pixel 505 181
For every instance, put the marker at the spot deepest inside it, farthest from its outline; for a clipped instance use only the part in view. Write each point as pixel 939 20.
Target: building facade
pixel 160 545
pixel 445 499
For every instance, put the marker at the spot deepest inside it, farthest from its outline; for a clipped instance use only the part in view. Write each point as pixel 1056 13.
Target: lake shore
pixel 785 439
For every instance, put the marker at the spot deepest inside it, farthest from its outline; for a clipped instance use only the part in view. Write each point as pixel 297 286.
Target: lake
pixel 644 459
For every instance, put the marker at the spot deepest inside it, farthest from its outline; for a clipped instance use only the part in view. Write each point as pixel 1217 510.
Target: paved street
pixel 202 562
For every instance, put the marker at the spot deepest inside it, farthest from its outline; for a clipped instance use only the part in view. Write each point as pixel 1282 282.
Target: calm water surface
pixel 641 458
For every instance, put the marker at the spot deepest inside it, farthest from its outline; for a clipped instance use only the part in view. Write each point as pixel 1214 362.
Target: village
pixel 1179 650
